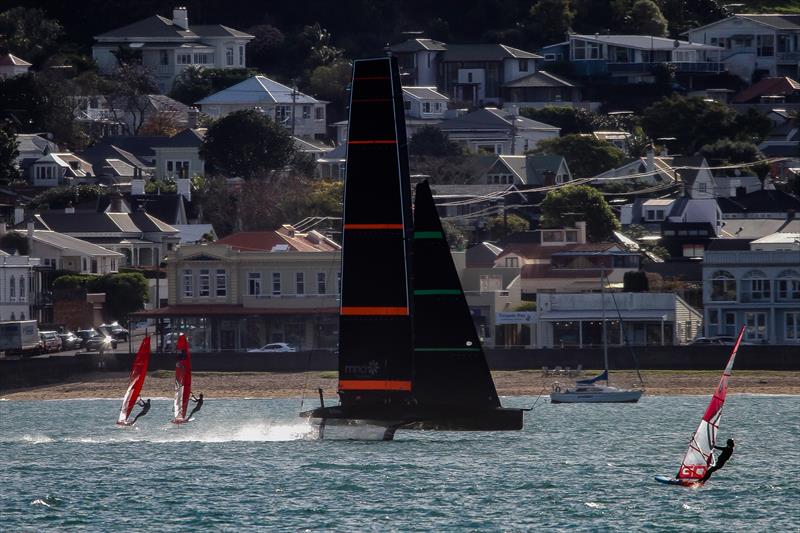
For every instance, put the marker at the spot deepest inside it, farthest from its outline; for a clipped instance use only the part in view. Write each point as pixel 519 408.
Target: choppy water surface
pixel 249 464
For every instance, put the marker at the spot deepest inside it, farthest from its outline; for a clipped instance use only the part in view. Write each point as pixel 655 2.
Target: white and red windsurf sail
pixel 699 457
pixel 138 373
pixel 183 379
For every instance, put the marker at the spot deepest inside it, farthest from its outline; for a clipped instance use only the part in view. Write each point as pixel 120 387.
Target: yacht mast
pixel 603 315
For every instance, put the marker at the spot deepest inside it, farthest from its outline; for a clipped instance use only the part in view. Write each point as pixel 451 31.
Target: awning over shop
pixel 229 310
pixel 611 314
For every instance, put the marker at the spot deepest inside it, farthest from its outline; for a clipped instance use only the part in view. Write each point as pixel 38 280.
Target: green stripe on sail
pixel 428 235
pixel 434 292
pixel 454 349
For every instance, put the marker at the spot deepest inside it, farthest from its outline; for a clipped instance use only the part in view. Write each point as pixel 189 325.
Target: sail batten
pixel 700 453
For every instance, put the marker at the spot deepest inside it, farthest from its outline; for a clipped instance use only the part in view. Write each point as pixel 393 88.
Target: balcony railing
pixel 698 66
pixel 788 56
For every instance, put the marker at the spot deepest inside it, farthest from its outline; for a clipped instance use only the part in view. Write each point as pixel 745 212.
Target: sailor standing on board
pixel 145 407
pixel 723 457
pixel 199 402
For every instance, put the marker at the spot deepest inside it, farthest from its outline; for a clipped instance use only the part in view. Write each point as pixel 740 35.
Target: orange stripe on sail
pixel 374 384
pixel 375 311
pixel 374 141
pixel 373 226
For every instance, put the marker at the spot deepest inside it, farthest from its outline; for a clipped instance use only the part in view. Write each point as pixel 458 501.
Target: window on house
pixel 702 187
pixel 338 283
pixel 183 58
pixel 551 236
pixel 203 58
pixel 319 113
pixel 523 65
pixel 723 287
pixel 407 105
pixel 276 283
pixel 572 236
pixel 321 288
pixel 177 169
pixel 188 283
pixel 693 250
pixel 437 107
pixel 94 266
pixel 300 283
pixel 113 265
pixel 306 111
pixel 22 291
pixel 241 56
pixel 760 289
pixel 512 262
pixel 282 114
pixel 755 326
pixel 84 264
pixel 222 282
pixel 791 331
pixel 229 56
pixel 788 285
pixel 549 57
pixel 254 283
pixel 713 322
pixel 12 289
pixel 204 283
pixel 426 107
pixel 766 45
pixel 469 77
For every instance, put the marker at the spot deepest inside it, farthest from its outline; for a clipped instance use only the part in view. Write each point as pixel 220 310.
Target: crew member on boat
pixel 145 405
pixel 723 457
pixel 198 404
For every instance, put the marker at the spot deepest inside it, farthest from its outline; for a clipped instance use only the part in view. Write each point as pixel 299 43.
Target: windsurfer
pixel 722 458
pixel 198 404
pixel 145 405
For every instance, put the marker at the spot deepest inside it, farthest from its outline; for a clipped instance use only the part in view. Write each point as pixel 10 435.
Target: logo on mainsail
pixel 370 369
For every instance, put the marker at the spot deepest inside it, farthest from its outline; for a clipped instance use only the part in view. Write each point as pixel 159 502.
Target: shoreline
pixel 238 385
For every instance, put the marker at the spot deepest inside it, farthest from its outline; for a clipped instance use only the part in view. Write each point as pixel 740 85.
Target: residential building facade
pixel 17 286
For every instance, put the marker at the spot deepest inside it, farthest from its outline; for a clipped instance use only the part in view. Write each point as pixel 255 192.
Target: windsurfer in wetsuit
pixel 723 457
pixel 145 405
pixel 198 404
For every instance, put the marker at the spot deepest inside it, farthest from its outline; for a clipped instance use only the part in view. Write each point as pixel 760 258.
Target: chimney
pixel 651 159
pixel 137 187
pixel 191 117
pixel 184 186
pixel 180 17
pixel 581 225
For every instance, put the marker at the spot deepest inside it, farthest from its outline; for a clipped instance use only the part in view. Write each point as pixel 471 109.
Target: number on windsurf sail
pixel 183 380
pixel 699 456
pixel 138 374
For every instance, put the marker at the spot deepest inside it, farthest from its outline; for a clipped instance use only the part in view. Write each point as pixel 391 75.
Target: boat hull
pixel 631 396
pixel 436 419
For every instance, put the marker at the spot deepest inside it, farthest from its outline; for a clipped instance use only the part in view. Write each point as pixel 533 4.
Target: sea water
pixel 252 465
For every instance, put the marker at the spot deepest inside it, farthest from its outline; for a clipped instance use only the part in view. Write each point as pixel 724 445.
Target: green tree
pixel 635 281
pixel 13 242
pixel 248 144
pixel 728 151
pixel 264 50
pixel 564 206
pixel 646 19
pixel 751 126
pixel 432 142
pixel 330 82
pixel 551 20
pixel 127 90
pixel 61 197
pixel 8 155
pixel 455 237
pixel 586 156
pixel 126 292
pixel 500 226
pixel 569 119
pixel 28 33
pixel 191 86
pixel 691 121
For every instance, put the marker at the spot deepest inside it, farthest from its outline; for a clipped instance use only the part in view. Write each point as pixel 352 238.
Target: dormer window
pixel 702 187
pixel 523 65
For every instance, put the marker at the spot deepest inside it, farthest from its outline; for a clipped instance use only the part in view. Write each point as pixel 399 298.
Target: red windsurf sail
pixel 700 456
pixel 183 380
pixel 138 373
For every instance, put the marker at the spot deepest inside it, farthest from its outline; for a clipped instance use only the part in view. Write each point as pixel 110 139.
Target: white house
pixel 755 42
pixel 497 131
pixel 169 46
pixel 11 65
pixel 16 286
pixel 299 113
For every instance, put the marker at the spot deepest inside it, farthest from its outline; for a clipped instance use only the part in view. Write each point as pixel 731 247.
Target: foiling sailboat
pixel 591 390
pixel 699 455
pixel 409 355
pixel 183 380
pixel 136 382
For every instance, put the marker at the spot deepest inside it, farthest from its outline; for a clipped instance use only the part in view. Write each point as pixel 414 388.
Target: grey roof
pixel 492 118
pixel 688 175
pixel 424 93
pixel 192 233
pixel 541 79
pixel 491 192
pixel 645 42
pixel 258 90
pixel 781 150
pixel 34 142
pixel 187 138
pixel 417 45
pixel 484 52
pixel 158 26
pixel 755 228
pixel 781 22
pixel 66 242
pixel 88 222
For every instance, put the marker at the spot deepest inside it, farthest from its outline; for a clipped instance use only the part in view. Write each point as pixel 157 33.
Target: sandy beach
pixel 296 385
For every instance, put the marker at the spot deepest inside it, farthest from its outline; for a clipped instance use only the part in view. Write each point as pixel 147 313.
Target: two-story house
pixel 633 58
pixel 253 288
pixel 756 288
pixel 169 46
pixel 16 285
pixel 301 114
pixel 529 169
pixel 754 43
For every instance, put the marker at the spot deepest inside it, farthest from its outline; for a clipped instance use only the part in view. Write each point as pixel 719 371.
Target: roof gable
pixel 258 89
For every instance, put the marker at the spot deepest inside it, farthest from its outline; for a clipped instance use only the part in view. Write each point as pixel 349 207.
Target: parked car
pixel 274 347
pixel 20 337
pixel 99 343
pixel 69 341
pixel 51 342
pixel 85 334
pixel 115 330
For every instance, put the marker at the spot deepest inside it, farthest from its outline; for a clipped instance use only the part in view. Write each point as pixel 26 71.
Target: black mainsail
pixel 409 356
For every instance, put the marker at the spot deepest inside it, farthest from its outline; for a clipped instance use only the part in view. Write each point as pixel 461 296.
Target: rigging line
pixel 625 337
pixel 536 401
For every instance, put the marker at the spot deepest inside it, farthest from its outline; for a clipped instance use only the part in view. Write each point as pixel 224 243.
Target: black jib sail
pixel 409 356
